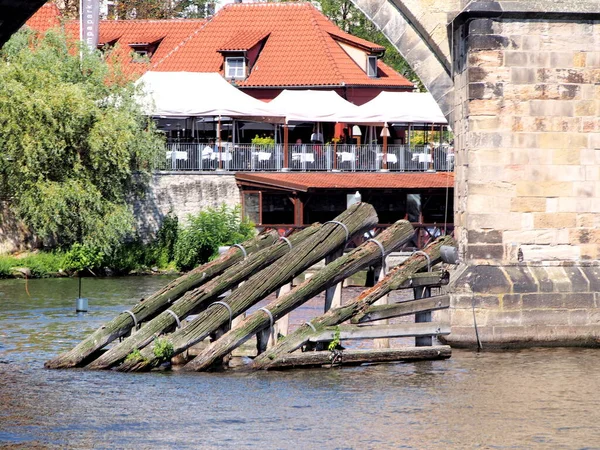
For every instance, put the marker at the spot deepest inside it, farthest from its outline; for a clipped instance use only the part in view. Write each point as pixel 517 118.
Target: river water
pixel 548 398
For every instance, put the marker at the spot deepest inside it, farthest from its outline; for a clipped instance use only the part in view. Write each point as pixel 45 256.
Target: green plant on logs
pixel 163 349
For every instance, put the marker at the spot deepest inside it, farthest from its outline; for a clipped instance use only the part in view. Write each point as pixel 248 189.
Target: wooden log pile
pixel 331 274
pixel 396 278
pixel 156 303
pixel 359 218
pixel 259 267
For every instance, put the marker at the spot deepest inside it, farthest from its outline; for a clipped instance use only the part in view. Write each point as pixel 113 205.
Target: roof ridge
pixel 183 42
pixel 321 34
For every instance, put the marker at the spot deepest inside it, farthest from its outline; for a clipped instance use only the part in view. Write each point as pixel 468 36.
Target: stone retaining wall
pixel 184 194
pixel 523 305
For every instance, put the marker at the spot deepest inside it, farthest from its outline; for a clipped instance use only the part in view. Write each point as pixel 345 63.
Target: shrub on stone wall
pixel 199 241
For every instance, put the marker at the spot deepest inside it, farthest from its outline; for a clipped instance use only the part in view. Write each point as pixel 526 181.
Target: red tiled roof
pixel 302 48
pixel 244 40
pixel 125 33
pixel 326 180
pixel 48 16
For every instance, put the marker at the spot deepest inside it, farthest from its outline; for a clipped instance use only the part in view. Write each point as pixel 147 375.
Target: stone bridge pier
pixel 520 84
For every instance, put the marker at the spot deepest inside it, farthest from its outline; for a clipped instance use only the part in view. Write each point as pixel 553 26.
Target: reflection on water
pixel 523 399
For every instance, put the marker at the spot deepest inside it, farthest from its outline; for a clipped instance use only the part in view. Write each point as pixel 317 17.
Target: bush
pixel 81 257
pixel 200 240
pixel 166 238
pixel 129 256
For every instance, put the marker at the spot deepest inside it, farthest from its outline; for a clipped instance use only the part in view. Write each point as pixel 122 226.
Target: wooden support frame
pixel 379 312
pixel 350 332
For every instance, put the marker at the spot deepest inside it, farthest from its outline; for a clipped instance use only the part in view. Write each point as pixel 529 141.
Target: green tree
pixel 74 141
pixel 160 9
pixel 350 19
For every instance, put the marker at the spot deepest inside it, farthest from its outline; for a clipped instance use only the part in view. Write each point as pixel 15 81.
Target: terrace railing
pixel 304 157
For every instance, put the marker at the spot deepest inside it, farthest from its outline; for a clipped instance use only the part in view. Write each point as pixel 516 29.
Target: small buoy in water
pixel 81 305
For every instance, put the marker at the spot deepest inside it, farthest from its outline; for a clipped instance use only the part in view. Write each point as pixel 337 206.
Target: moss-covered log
pixel 356 219
pixel 356 357
pixel 333 273
pixel 200 297
pixel 392 281
pixel 149 307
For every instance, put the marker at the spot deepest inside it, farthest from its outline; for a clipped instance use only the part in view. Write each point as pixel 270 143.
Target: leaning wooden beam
pixel 333 273
pixel 396 330
pixel 157 302
pixel 333 235
pixel 379 312
pixel 396 277
pixel 200 297
pixel 355 357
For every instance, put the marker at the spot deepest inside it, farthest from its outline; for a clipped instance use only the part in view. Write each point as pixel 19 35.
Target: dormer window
pixel 235 68
pixel 372 66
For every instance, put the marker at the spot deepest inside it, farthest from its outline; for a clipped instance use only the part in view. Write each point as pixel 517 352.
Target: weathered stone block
pixel 485 237
pixel 504 318
pixel 481 26
pixel 486 58
pixel 485 252
pixel 521 279
pixel 487 42
pixel 512 301
pixel 528 204
pixel 539 253
pixel 593 276
pixel 516 59
pixel 544 189
pixel 556 220
pixel 544 317
pixel 489 280
pixel 579 317
pixel 523 75
pixel 544 281
pixel 580 300
pixel 551 108
pixel 566 156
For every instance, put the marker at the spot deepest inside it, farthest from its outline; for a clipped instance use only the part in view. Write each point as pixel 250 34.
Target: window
pixel 372 66
pixel 235 68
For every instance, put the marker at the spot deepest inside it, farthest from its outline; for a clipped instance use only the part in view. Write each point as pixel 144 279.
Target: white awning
pixel 186 94
pixel 407 107
pixel 311 106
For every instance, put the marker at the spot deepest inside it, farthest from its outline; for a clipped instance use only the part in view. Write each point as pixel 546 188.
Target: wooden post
pixel 286 144
pixel 335 155
pixel 333 295
pixel 219 144
pixel 423 292
pixel 282 325
pixel 383 342
pixel 385 132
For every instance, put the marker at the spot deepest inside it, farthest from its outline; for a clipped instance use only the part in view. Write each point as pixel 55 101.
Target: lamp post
pixel 385 133
pixel 356 133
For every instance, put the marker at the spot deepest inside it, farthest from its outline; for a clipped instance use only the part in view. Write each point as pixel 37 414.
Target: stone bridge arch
pixel 519 81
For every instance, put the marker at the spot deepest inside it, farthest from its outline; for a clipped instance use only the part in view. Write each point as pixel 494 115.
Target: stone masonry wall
pixel 184 194
pixel 530 155
pixel 527 194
